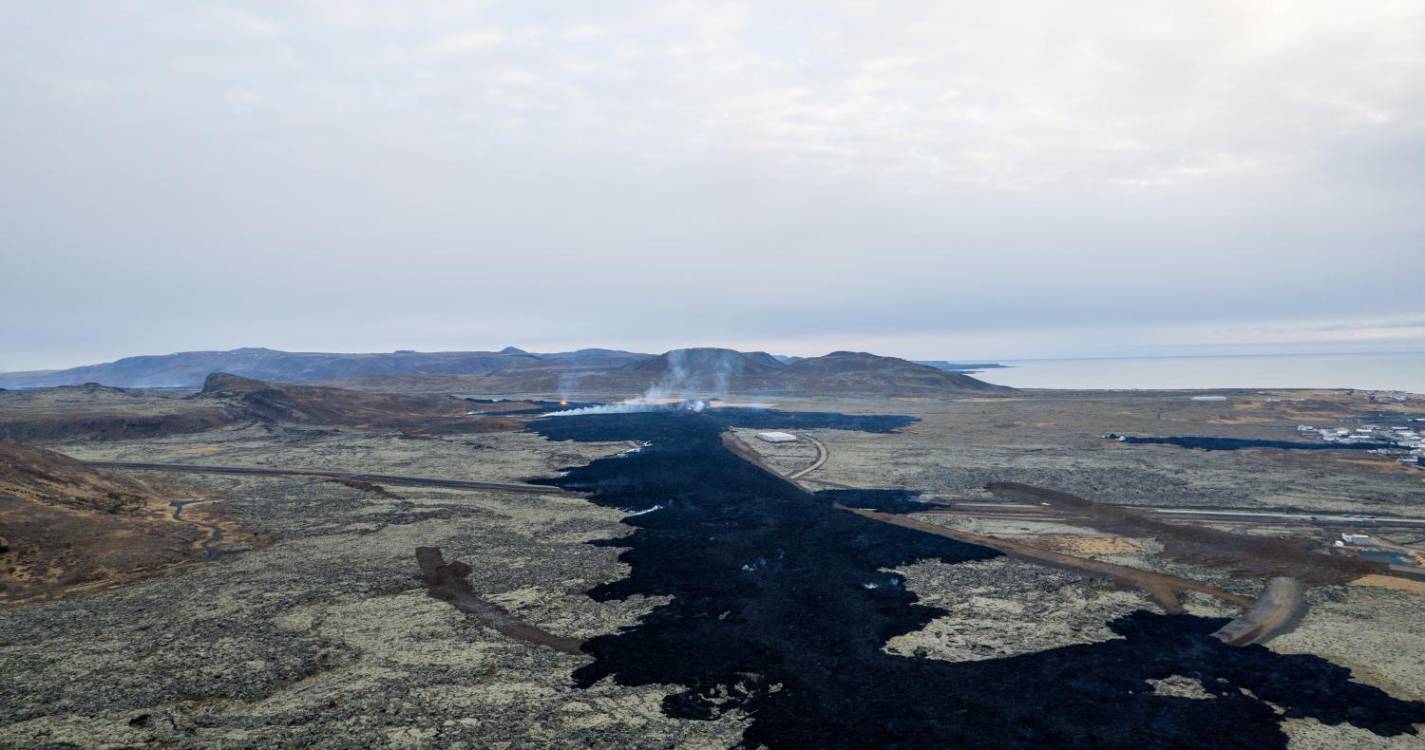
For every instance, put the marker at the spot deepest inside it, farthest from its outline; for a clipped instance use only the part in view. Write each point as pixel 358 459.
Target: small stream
pixel 215 534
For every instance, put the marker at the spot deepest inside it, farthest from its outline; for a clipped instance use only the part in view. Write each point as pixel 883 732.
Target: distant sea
pixel 1397 371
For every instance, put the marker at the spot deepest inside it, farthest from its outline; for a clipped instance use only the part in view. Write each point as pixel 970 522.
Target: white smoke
pixel 626 453
pixel 632 513
pixel 568 384
pixel 682 387
pixel 622 407
pixel 628 406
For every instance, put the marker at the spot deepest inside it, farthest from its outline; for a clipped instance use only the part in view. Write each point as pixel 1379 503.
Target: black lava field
pixel 780 606
pixel 1233 444
pixel 539 407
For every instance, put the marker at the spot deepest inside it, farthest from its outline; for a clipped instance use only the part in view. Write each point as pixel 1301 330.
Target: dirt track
pixel 1280 606
pixel 821 455
pixel 396 479
pixel 1220 517
pixel 1241 554
pixel 1163 588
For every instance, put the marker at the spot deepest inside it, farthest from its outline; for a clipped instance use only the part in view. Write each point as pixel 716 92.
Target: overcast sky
pixel 930 179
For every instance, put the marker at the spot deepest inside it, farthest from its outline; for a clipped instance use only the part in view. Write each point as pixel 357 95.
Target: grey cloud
pixel 956 178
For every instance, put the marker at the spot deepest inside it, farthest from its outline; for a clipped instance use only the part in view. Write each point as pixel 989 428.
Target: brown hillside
pixel 67 527
pixel 51 478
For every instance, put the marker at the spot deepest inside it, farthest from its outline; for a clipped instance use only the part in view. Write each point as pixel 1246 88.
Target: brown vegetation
pixel 42 476
pixel 1161 587
pixel 67 526
pixel 1241 554
pixel 1089 546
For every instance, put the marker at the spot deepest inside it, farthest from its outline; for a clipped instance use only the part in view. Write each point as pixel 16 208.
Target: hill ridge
pixel 713 370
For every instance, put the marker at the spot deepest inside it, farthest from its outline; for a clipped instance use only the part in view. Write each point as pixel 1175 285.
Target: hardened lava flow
pixel 780 606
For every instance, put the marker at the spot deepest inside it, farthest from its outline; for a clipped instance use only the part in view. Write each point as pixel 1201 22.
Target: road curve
pixel 396 479
pixel 821 455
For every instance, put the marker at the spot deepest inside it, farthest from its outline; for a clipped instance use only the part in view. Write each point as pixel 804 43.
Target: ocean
pixel 1397 371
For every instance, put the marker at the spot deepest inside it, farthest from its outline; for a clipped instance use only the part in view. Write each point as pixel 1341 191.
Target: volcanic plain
pixel 622 580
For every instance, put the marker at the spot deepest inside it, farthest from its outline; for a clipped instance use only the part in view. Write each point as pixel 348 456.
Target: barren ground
pixel 322 635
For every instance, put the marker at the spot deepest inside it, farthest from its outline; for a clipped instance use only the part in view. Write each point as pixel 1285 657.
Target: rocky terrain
pixel 96 412
pixel 248 399
pixel 323 632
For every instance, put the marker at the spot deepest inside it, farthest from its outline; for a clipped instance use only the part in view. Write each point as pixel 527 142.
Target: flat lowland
pixel 324 634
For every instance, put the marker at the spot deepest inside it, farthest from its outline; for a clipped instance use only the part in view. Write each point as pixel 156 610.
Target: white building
pixel 777 437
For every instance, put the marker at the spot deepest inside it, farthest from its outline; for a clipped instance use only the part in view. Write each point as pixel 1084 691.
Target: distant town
pixel 1401 435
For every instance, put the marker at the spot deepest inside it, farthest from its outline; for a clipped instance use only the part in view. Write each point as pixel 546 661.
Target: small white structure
pixel 1209 398
pixel 777 437
pixel 1357 540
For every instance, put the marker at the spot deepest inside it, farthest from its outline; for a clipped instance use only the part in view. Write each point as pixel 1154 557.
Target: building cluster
pixel 1387 397
pixel 1402 439
pixel 1409 560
